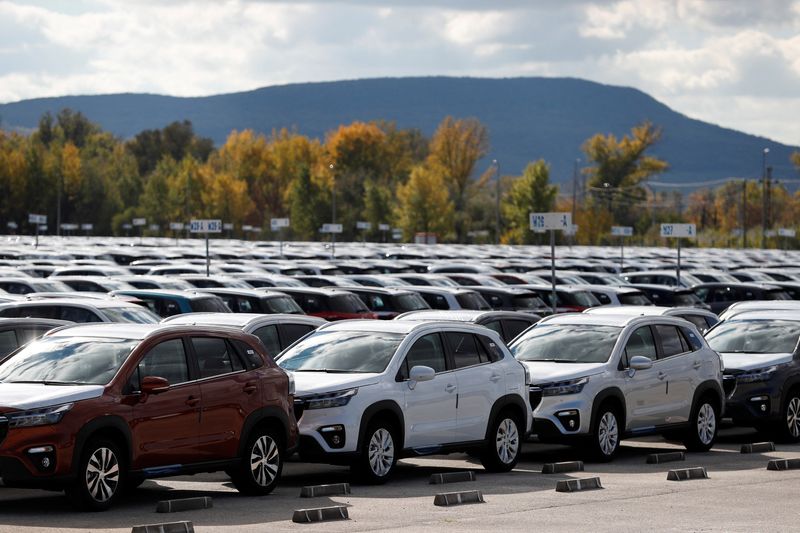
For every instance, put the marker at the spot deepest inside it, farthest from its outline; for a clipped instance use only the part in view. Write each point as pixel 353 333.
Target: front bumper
pixel 558 418
pixel 752 403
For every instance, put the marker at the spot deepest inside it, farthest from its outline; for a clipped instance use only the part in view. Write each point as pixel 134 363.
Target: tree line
pixel 69 168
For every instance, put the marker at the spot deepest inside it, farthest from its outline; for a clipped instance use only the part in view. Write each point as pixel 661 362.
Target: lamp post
pixel 333 209
pixel 497 201
pixel 764 189
pixel 574 191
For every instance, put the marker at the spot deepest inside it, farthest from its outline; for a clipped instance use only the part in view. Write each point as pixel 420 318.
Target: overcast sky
pixel 732 62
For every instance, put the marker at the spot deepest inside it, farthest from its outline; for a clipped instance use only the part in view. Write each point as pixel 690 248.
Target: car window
pixel 248 354
pixel 8 342
pixel 426 351
pixel 292 332
pixel 514 328
pixel 602 297
pixel 281 304
pixel 213 357
pixel 641 343
pixel 166 360
pixel 672 342
pixel 494 300
pixel 209 304
pixel 495 325
pixel 269 336
pixel 465 351
pixel 488 349
pixel 244 305
pixel 310 303
pixel 27 334
pixel 634 298
pixel 436 301
pixel 77 314
pixel 698 321
pixel 692 338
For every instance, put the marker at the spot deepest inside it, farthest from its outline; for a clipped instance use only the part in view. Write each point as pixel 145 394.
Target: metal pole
pixel 553 267
pixel 208 259
pixel 58 207
pixel 333 212
pixel 679 261
pixel 574 193
pixel 497 203
pixel 621 254
pixel 764 187
pixel 37 235
pixel 744 213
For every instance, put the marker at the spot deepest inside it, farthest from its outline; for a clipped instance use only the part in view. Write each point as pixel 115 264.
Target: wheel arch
pixel 512 402
pixel 271 416
pixel 113 427
pixel 388 408
pixel 612 394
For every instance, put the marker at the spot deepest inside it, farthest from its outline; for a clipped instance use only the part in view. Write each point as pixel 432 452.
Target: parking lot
pixel 740 495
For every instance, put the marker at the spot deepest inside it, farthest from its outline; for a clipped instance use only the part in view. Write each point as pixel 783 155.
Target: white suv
pixel 599 378
pixel 371 391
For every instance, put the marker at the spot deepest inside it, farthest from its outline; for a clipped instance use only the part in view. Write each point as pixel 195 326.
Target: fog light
pixel 571 419
pixel 762 403
pixel 46 463
pixel 43 458
pixel 334 435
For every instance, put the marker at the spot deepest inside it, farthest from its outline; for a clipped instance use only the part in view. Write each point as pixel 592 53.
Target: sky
pixel 735 63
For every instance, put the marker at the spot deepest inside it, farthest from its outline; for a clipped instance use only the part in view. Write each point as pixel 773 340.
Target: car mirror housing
pixel 154 385
pixel 640 362
pixel 420 373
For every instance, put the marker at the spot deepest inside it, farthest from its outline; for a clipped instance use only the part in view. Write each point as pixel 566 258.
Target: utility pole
pixel 744 213
pixel 58 204
pixel 497 202
pixel 574 189
pixel 764 188
pixel 333 210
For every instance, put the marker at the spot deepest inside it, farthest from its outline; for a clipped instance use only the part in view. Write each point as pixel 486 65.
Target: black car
pixel 388 303
pixel 512 299
pixel 669 296
pixel 762 370
pixel 257 301
pixel 720 295
pixel 14 332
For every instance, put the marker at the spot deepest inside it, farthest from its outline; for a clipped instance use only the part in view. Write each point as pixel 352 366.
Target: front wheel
pixel 260 468
pixel 787 429
pixel 703 426
pixel 504 446
pixel 101 476
pixel 605 435
pixel 378 457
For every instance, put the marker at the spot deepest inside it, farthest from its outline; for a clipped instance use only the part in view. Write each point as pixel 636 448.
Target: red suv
pixel 99 408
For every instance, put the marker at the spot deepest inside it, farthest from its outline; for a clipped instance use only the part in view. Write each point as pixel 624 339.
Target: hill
pixel 527 118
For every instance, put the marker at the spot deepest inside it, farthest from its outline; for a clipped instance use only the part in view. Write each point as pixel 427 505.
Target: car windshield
pixel 283 304
pixel 472 300
pixel 755 336
pixel 210 304
pixel 410 302
pixel 341 351
pixel 133 315
pixel 348 303
pixel 686 298
pixel 51 286
pixel 634 298
pixel 528 302
pixel 566 343
pixel 71 360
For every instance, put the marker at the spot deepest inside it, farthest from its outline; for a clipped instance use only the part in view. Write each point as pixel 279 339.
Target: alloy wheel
pixel 381 452
pixel 608 433
pixel 102 474
pixel 507 441
pixel 706 424
pixel 264 460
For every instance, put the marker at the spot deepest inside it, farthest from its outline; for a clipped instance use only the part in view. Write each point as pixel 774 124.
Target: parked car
pixel 599 378
pixel 702 319
pixel 371 392
pixel 167 302
pixel 387 303
pixel 720 295
pixel 762 370
pixel 94 283
pixel 29 285
pixel 276 331
pixel 329 303
pixel 511 298
pixel 508 324
pixel 14 332
pixel 665 296
pixel 568 298
pixel 759 305
pixel 156 282
pixel 80 310
pixel 257 301
pixel 608 295
pixel 662 277
pixel 95 409
pixel 201 281
pixel 451 297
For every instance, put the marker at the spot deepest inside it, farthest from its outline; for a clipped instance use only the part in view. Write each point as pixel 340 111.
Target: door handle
pixel 450 387
pixel 250 388
pixel 495 377
pixel 697 364
pixel 192 401
pixel 661 375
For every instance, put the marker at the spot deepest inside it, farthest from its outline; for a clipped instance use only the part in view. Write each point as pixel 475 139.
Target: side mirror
pixel 420 373
pixel 154 385
pixel 640 362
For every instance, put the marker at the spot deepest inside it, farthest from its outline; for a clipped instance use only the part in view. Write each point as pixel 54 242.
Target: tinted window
pixel 465 351
pixel 641 343
pixel 281 304
pixel 691 337
pixel 269 336
pixel 472 300
pixel 77 314
pixel 214 357
pixel 348 303
pixel 27 334
pixel 436 301
pixel 8 342
pixel 528 302
pixel 167 360
pixel 634 298
pixel 248 354
pixel 514 328
pixel 686 298
pixel 602 298
pixel 671 341
pixel 488 349
pixel 495 325
pixel 494 300
pixel 132 314
pixel 310 303
pixel 776 294
pixel 292 332
pixel 209 304
pixel 35 311
pixel 426 351
pixel 698 321
pixel 410 302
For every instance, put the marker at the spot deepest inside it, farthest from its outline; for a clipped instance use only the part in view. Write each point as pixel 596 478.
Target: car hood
pixel 751 361
pixel 35 395
pixel 548 371
pixel 320 382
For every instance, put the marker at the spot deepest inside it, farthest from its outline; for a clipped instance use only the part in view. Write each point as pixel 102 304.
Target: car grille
pixel 3 428
pixel 535 395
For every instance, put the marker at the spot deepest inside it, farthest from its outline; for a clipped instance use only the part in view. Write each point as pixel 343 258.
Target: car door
pixel 480 383
pixel 166 425
pixel 644 390
pixel 430 407
pixel 677 364
pixel 228 393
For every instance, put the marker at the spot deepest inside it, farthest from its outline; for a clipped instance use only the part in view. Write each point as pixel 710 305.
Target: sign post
pixel 383 229
pixel 277 224
pixel 206 226
pixel 87 228
pixel 175 227
pixel 552 222
pixel 678 231
pixel 141 223
pixel 37 220
pixel 622 232
pixel 333 229
pixel 228 227
pixel 786 233
pixel 363 227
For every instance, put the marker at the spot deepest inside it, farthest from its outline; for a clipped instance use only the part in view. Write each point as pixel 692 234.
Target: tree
pixel 424 204
pixel 620 166
pixel 455 148
pixel 531 193
pixel 306 205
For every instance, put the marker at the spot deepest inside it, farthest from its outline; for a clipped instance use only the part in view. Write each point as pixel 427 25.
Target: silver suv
pixel 596 379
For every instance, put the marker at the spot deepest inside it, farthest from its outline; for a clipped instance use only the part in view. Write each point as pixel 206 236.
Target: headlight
pixel 328 400
pixel 291 383
pixel 759 374
pixel 38 417
pixel 573 386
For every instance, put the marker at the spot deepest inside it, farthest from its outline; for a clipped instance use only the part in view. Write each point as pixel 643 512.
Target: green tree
pixel 531 193
pixel 423 204
pixel 307 207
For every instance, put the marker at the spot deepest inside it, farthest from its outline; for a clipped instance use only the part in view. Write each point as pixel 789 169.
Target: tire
pixel 504 445
pixel 787 429
pixel 376 462
pixel 259 469
pixel 101 476
pixel 606 434
pixel 703 426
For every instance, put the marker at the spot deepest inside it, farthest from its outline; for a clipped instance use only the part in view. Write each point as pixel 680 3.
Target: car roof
pixel 782 314
pixel 125 330
pixel 174 293
pixel 80 302
pixel 646 310
pixel 461 315
pixel 241 320
pixel 393 326
pixel 618 320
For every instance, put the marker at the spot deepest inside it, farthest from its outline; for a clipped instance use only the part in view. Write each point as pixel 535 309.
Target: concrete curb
pixel 683 474
pixel 335 489
pixel 447 499
pixel 563 467
pixel 320 514
pixel 783 464
pixel 168 527
pixel 758 447
pixel 451 477
pixel 577 485
pixel 658 458
pixel 184 504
